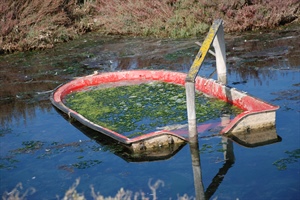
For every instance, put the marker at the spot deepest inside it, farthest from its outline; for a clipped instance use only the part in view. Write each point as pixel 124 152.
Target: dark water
pixel 42 150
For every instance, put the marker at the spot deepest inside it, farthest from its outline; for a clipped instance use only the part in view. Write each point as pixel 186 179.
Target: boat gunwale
pixel 249 104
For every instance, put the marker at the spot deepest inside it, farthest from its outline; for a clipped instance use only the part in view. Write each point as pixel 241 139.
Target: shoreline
pixel 34 25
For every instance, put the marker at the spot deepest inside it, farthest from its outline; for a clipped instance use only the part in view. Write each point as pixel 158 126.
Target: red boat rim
pixel 257 114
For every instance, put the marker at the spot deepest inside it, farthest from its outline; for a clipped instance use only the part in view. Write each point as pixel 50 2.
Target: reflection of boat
pixel 255 138
pixel 127 152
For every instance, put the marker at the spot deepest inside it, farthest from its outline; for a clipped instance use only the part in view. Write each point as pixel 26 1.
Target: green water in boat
pixel 137 109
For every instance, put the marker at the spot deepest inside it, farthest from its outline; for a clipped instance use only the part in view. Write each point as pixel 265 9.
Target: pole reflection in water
pixel 229 161
pixel 217 180
pixel 253 139
pixel 194 148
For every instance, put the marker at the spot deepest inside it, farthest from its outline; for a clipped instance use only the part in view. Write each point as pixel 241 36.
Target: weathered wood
pixel 209 51
pixel 203 51
pixel 191 109
pixel 191 76
pixel 219 45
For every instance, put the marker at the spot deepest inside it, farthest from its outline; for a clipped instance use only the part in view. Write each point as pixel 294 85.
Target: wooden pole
pixel 191 111
pixel 209 51
pixel 220 51
pixel 191 76
pixel 203 50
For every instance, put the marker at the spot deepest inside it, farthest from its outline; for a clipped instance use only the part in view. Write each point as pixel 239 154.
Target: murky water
pixel 40 149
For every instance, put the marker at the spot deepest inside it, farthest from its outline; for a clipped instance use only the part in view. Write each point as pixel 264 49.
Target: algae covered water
pixel 142 108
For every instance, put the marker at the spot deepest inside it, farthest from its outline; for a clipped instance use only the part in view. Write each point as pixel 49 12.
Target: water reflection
pixel 126 152
pixel 218 178
pixel 256 138
pixel 229 161
pixel 253 139
pixel 196 165
pixel 248 139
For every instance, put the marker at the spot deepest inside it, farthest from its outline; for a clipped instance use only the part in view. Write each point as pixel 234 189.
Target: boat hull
pixel 256 115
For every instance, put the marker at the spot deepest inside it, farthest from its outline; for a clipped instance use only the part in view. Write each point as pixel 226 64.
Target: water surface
pixel 40 149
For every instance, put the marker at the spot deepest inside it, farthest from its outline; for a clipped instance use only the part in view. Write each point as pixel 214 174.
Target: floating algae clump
pixel 140 108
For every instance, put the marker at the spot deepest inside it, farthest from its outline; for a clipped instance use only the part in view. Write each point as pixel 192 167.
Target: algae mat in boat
pixel 136 109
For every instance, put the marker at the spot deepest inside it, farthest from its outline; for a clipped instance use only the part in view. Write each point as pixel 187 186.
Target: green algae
pixel 86 164
pixel 141 108
pixel 292 157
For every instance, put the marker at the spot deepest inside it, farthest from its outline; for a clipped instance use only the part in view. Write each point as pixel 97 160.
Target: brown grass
pixel 35 24
pixel 39 24
pixel 258 14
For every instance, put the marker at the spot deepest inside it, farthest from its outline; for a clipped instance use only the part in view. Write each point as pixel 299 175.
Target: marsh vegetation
pixel 36 24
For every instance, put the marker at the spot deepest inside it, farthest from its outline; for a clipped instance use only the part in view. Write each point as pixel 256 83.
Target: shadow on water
pixel 27 79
